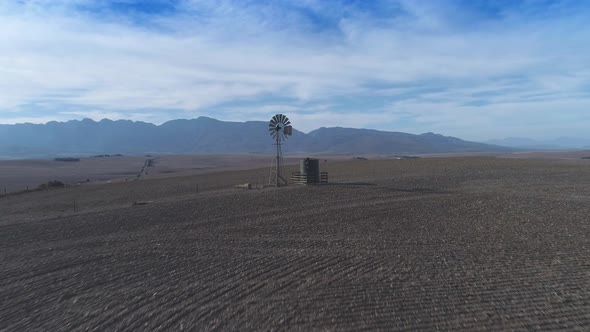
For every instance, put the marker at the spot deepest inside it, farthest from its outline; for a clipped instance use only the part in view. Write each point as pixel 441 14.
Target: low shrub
pixel 52 184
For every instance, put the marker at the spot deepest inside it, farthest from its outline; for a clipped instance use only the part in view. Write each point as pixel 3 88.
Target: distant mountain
pixel 553 144
pixel 349 140
pixel 207 135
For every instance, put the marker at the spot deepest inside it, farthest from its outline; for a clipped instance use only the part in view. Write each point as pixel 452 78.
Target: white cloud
pixel 212 53
pixel 33 119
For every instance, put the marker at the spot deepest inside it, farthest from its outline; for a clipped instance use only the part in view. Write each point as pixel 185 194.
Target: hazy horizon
pixel 471 69
pixel 510 141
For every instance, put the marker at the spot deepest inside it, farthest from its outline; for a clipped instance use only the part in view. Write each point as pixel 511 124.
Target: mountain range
pixel 207 135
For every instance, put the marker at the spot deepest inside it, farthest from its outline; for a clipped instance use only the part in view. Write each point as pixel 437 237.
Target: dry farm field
pixel 465 243
pixel 18 175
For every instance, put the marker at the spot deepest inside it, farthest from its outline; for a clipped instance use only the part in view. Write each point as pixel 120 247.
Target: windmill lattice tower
pixel 279 128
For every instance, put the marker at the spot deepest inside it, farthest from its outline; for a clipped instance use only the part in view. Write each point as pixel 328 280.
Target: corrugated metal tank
pixel 311 168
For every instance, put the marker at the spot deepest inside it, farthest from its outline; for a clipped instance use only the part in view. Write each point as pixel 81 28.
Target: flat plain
pixel 18 175
pixel 465 243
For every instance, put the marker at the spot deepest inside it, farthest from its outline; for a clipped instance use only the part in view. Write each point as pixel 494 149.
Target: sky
pixel 472 69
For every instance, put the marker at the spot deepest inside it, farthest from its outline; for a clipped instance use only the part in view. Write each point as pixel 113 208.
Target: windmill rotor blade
pixel 280 127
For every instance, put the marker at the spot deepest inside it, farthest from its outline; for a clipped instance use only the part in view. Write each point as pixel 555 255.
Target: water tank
pixel 311 168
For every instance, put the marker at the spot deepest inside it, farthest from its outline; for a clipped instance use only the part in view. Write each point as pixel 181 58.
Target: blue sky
pixel 472 69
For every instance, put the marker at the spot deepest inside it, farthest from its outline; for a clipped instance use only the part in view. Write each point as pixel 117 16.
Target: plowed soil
pixel 457 243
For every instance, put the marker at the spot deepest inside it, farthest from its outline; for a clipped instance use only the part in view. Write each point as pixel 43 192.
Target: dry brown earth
pixel 447 243
pixel 20 175
pixel 17 175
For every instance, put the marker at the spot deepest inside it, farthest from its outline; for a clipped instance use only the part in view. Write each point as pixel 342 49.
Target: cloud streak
pixel 415 66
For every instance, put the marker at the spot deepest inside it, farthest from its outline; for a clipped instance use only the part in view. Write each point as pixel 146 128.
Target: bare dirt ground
pixel 568 155
pixel 28 174
pixel 18 175
pixel 444 243
pixel 550 154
